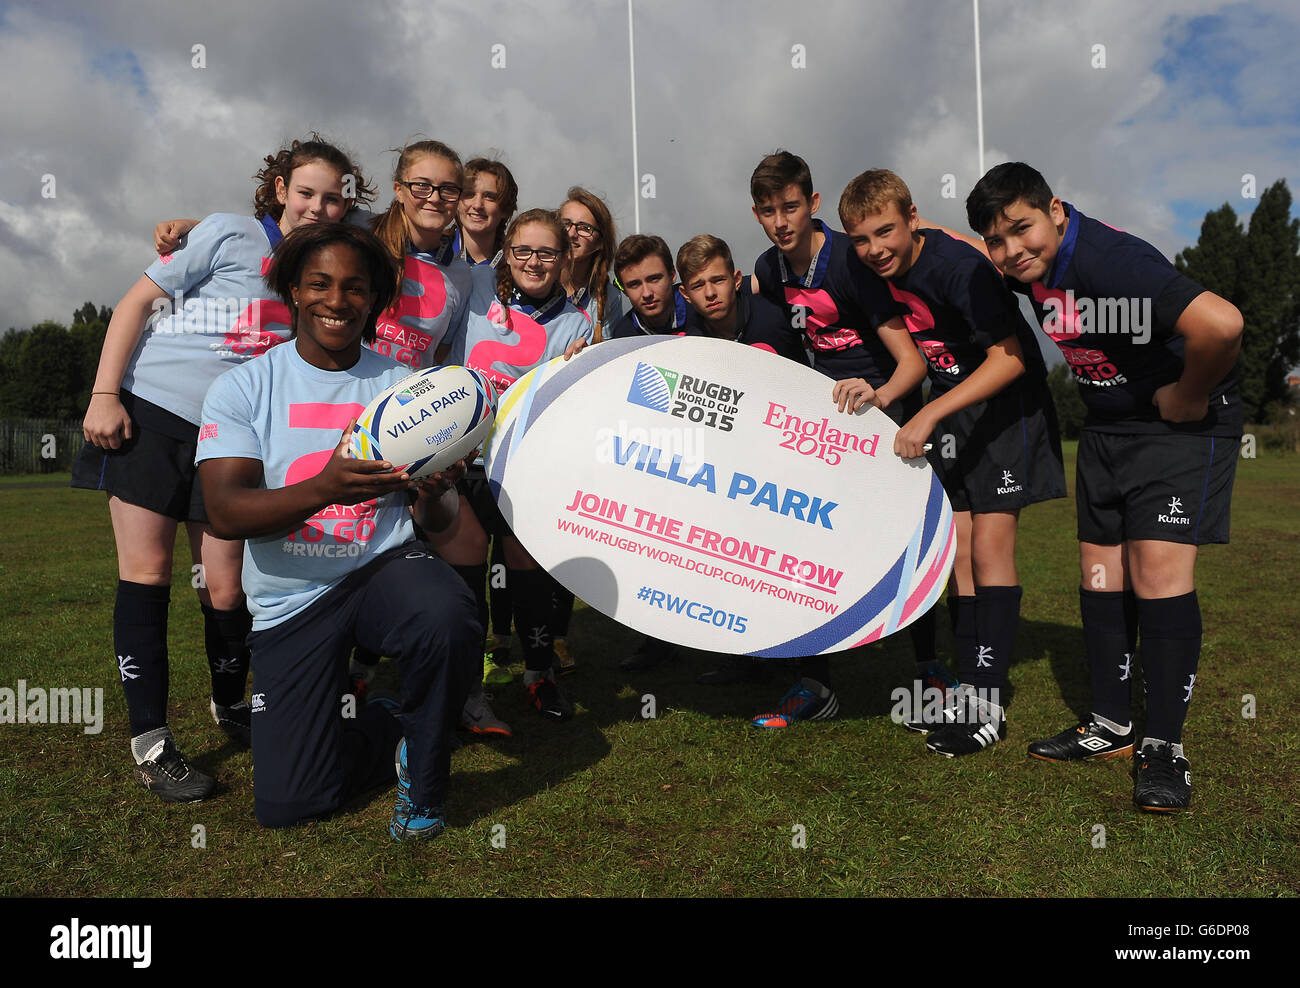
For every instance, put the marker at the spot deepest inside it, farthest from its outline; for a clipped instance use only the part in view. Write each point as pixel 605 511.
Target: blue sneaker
pixel 801 703
pixel 410 821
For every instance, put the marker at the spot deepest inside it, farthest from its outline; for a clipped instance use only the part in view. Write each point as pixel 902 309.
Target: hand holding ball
pixel 426 422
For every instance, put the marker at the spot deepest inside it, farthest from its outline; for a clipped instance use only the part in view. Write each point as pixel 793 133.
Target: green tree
pixel 11 345
pixel 88 328
pixel 1258 271
pixel 1214 261
pixel 1070 410
pixel 49 375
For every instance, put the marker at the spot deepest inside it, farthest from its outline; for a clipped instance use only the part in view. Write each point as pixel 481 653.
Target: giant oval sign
pixel 711 494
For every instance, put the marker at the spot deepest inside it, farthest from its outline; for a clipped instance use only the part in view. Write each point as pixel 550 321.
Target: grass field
pixel 695 801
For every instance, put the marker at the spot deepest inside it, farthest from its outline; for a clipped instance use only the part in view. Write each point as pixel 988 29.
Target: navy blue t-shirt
pixel 631 326
pixel 959 306
pixel 841 304
pixel 1116 329
pixel 760 323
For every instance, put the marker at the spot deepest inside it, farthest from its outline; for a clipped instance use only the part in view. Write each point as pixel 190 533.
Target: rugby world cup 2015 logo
pixel 653 387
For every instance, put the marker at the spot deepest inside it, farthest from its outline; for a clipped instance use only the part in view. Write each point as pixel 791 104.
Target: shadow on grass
pixel 864 678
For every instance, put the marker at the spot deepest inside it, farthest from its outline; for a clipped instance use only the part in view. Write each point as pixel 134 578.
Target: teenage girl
pixel 519 317
pixel 142 426
pixel 490 200
pixel 589 285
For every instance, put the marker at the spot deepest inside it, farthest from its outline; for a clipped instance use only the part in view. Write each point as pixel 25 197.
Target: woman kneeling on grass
pixel 331 555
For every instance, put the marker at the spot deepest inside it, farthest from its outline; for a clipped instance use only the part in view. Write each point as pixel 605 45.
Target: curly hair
pixel 281 165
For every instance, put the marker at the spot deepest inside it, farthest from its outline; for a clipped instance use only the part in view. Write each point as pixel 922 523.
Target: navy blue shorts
pixel 308 757
pixel 1168 487
pixel 154 469
pixel 1001 454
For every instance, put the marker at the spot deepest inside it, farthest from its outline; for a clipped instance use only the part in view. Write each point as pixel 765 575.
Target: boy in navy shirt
pixel 726 307
pixel 725 304
pixel 858 340
pixel 995 447
pixel 1154 356
pixel 643 268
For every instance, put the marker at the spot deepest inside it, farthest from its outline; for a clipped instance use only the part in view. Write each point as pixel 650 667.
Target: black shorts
pixel 154 469
pixel 476 491
pixel 311 751
pixel 1169 488
pixel 1001 454
pixel 902 410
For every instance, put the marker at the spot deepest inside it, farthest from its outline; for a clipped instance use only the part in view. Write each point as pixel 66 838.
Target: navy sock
pixel 817 667
pixel 531 589
pixel 140 639
pixel 961 612
pixel 997 616
pixel 922 633
pixel 1171 650
pixel 561 608
pixel 475 578
pixel 1110 641
pixel 501 603
pixel 226 635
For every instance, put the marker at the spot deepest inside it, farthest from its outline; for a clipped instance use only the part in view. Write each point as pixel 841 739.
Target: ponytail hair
pixel 391 226
pixel 281 165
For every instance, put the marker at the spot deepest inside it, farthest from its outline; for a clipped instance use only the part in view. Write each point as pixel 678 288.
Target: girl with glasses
pixel 592 240
pixel 589 285
pixel 519 317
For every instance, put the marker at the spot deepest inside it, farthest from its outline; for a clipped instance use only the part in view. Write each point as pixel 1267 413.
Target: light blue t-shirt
pixel 290 415
pixel 435 291
pixel 506 342
pixel 226 314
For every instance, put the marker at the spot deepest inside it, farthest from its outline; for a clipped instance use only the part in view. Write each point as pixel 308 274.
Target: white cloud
pixel 107 101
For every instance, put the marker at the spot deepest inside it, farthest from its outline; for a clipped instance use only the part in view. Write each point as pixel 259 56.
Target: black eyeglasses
pixel 424 190
pixel 544 254
pixel 582 229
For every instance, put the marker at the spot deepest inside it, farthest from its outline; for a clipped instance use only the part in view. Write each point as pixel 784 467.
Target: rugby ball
pixel 426 422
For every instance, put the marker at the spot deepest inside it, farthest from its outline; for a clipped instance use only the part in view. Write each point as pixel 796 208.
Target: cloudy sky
pixel 105 97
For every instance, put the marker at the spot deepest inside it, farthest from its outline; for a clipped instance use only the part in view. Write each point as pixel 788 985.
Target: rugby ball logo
pixel 426 422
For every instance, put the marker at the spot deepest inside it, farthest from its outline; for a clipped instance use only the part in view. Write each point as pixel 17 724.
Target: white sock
pixel 148 746
pixel 1110 725
pixel 1176 748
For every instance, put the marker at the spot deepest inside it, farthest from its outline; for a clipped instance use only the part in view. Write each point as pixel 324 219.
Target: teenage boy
pixel 995 443
pixel 724 302
pixel 643 269
pixel 858 339
pixel 726 308
pixel 1154 356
